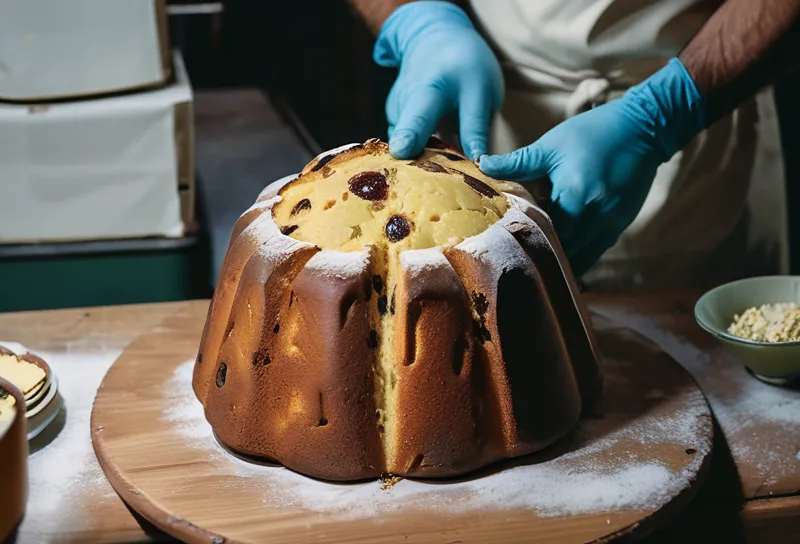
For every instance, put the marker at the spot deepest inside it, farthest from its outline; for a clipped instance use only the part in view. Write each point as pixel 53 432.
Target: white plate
pixel 38 395
pixel 41 420
pixel 51 393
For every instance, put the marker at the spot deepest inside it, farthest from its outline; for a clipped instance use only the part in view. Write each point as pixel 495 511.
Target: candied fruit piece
pixel 430 166
pixel 303 205
pixel 479 186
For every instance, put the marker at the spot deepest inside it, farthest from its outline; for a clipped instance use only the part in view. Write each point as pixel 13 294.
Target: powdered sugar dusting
pixel 761 422
pixel 523 205
pixel 271 190
pixel 64 476
pixel 604 468
pixel 271 242
pixel 498 250
pixel 339 264
pixel 419 260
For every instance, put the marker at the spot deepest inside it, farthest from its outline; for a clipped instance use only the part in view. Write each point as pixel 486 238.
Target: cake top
pixel 362 196
pixel 21 372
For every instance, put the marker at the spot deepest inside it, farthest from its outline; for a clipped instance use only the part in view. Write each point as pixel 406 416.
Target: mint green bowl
pixel 776 363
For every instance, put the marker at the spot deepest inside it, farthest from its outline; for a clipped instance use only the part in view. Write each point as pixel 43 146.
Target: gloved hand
pixel 602 162
pixel 445 66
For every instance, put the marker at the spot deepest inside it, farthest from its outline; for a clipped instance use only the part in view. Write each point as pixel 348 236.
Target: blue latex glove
pixel 445 66
pixel 602 162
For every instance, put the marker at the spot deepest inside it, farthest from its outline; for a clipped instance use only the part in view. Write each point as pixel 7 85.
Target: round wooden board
pixel 623 473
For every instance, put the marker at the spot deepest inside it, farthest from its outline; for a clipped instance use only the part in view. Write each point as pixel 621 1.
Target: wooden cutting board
pixel 621 474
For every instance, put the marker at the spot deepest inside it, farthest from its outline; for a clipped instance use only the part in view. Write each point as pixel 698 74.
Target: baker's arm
pixel 744 46
pixel 602 162
pixel 445 66
pixel 375 12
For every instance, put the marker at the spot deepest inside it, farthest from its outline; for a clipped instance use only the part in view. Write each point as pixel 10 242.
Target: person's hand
pixel 445 66
pixel 601 163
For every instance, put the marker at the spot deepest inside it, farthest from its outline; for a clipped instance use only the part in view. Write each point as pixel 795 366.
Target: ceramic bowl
pixel 777 363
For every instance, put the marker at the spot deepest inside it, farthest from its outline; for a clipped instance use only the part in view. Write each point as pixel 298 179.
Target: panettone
pixel 382 316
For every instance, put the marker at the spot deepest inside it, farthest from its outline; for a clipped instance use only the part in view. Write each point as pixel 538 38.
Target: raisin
pixel 377 284
pixel 288 229
pixel 479 186
pixel 372 339
pixel 383 303
pixel 276 328
pixel 368 289
pixel 480 302
pixel 369 186
pixel 397 228
pixel 391 305
pixel 222 373
pixel 430 166
pixel 303 205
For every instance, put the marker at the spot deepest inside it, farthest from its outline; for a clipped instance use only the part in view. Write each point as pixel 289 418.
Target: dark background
pixel 313 57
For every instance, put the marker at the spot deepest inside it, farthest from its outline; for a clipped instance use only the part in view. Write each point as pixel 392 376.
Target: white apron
pixel 717 209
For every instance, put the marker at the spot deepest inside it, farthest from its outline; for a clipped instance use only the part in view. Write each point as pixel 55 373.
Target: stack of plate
pixel 38 384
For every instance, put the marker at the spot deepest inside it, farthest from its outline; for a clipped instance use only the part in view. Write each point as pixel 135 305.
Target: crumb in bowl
pixel 772 323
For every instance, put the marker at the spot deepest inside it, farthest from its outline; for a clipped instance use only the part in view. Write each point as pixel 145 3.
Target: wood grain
pixel 763 437
pixel 98 515
pixel 94 515
pixel 192 496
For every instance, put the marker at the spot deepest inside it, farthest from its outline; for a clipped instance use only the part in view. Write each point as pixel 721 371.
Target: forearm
pixel 375 12
pixel 744 46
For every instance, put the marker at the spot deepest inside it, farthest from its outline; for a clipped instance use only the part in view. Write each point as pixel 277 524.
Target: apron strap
pixel 588 94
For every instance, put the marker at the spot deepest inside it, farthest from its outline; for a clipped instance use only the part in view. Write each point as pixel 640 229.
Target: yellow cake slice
pixel 22 372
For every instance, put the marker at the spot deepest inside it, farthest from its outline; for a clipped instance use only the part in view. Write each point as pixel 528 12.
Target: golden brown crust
pixel 438 423
pixel 529 373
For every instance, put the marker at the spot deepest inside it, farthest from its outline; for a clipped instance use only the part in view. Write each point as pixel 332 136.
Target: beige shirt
pixel 716 209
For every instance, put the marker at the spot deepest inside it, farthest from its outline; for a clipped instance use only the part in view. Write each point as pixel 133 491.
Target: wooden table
pixel 753 490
